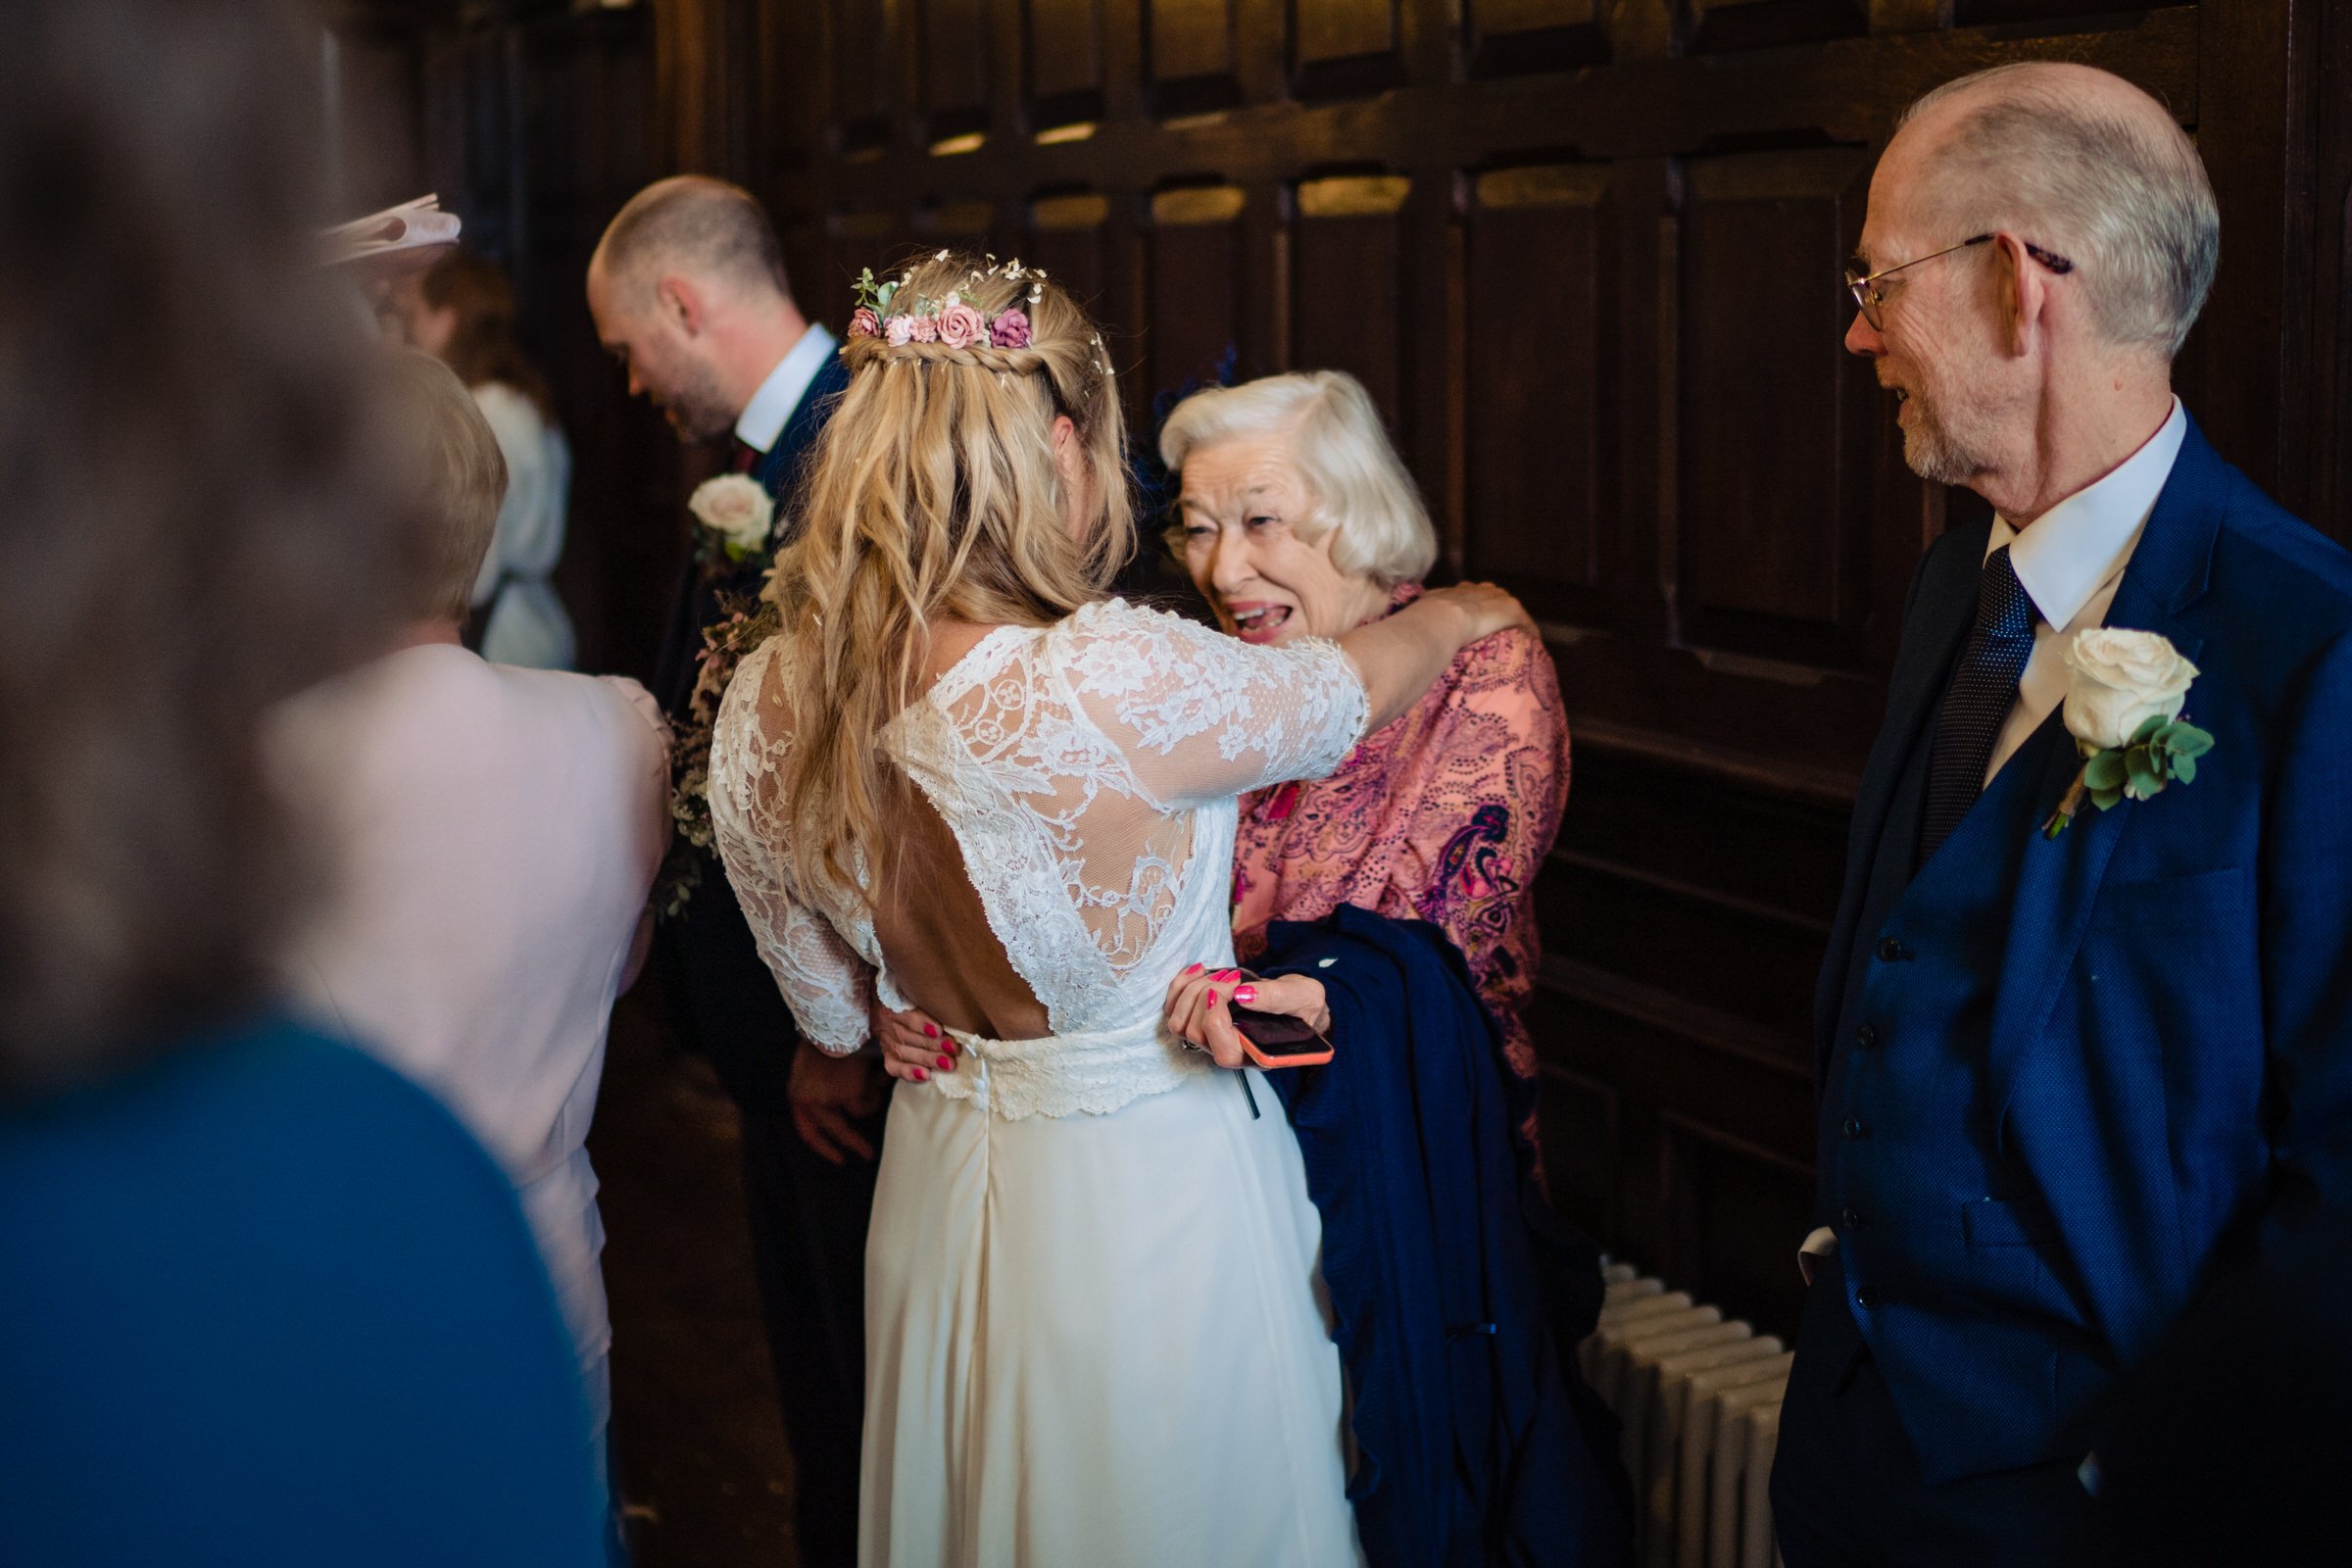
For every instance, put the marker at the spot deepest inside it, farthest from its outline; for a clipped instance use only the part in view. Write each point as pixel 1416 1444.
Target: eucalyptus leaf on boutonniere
pixel 2123 707
pixel 737 514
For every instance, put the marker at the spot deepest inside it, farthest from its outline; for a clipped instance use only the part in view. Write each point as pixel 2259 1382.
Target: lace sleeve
pixel 827 986
pixel 1202 716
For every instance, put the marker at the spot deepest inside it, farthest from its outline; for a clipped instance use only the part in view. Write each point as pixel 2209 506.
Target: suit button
pixel 1852 1128
pixel 1849 1218
pixel 1892 950
pixel 1869 1300
pixel 1866 1037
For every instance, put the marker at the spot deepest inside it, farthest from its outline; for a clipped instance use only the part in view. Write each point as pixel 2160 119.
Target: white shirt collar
pixel 763 418
pixel 2071 550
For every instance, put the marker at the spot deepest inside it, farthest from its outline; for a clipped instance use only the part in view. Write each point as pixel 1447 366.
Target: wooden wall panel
pixel 859 83
pixel 1065 61
pixel 956 45
pixel 1725 25
pixel 1538 386
pixel 1769 536
pixel 1192 308
pixel 1192 50
pixel 1348 286
pixel 1521 37
pixel 1343 47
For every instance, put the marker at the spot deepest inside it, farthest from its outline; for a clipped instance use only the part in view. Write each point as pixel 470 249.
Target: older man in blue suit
pixel 689 292
pixel 2065 1080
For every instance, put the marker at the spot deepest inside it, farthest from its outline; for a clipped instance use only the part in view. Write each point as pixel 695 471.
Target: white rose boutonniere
pixel 2123 707
pixel 736 509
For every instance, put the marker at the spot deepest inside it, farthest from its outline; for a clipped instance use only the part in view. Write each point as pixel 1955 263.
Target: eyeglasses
pixel 1869 298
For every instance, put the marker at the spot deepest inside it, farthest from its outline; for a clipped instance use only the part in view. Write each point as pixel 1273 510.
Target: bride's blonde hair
pixel 934 492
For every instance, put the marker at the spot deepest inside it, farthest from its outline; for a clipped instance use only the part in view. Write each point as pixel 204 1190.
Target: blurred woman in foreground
pixel 263 1301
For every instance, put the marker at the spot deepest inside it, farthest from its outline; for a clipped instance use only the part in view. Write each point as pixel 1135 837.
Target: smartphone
pixel 1277 1040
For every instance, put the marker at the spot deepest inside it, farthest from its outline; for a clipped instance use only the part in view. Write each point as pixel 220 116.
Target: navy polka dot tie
pixel 1984 689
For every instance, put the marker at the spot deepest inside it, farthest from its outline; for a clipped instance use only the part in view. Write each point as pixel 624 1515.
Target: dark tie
pixel 1983 690
pixel 747 456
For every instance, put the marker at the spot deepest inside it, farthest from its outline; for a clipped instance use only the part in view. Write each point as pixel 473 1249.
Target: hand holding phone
pixel 1283 1039
pixel 1286 1021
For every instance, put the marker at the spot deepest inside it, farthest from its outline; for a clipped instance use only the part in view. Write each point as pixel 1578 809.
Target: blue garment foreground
pixel 265 1303
pixel 1475 1447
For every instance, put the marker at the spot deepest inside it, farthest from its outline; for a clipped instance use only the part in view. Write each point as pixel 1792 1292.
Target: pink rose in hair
pixel 1011 331
pixel 961 327
pixel 897 331
pixel 864 323
pixel 926 328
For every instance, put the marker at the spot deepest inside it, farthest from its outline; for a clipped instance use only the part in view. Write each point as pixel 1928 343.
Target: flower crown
pixel 950 321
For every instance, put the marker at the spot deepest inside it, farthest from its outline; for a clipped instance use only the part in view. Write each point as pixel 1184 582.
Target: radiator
pixel 1700 1399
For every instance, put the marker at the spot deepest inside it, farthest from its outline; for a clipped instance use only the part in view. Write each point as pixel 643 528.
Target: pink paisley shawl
pixel 1444 816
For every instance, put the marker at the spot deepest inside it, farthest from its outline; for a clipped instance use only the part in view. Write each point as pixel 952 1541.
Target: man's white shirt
pixel 2070 561
pixel 764 416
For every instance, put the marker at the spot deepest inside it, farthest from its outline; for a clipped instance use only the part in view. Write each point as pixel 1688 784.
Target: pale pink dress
pixel 495 832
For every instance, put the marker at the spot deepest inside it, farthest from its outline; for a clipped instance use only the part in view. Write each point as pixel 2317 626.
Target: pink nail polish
pixel 1246 995
pixel 920 1076
pixel 1193 968
pixel 1212 998
pixel 931 1031
pixel 947 1065
pixel 1229 974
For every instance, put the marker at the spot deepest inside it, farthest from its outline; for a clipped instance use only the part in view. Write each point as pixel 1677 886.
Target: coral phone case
pixel 1276 1040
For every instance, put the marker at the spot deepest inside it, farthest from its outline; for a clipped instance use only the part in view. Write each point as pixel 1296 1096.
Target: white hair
pixel 1360 487
pixel 2122 195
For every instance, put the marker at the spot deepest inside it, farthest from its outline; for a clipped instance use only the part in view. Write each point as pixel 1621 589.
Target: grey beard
pixel 1933 454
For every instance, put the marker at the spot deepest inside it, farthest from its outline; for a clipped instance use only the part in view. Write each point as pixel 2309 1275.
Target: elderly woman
pixel 1298 520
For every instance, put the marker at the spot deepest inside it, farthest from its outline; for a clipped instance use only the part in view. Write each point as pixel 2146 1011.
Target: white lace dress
pixel 1092 1327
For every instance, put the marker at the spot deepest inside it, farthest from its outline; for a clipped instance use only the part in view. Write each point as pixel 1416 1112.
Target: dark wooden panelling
pixel 1537 470
pixel 1066 235
pixel 860 31
pixel 1065 61
pixel 1771 24
pixel 1192 54
pixel 1193 315
pixel 1346 290
pixel 1341 47
pixel 1769 537
pixel 1516 38
pixel 956 44
pixel 1736 1210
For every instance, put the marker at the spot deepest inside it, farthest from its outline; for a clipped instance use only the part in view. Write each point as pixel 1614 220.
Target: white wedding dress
pixel 1093 1329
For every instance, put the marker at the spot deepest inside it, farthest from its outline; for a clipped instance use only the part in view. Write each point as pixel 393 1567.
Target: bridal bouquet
pixel 746 625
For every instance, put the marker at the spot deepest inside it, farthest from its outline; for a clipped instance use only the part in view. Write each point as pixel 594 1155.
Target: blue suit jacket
pixel 723 998
pixel 2168 1068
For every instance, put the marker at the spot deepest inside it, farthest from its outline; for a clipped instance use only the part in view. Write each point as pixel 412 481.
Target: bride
pixel 959 778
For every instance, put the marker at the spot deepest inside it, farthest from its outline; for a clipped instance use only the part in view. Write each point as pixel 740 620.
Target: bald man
pixel 2063 1080
pixel 689 293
